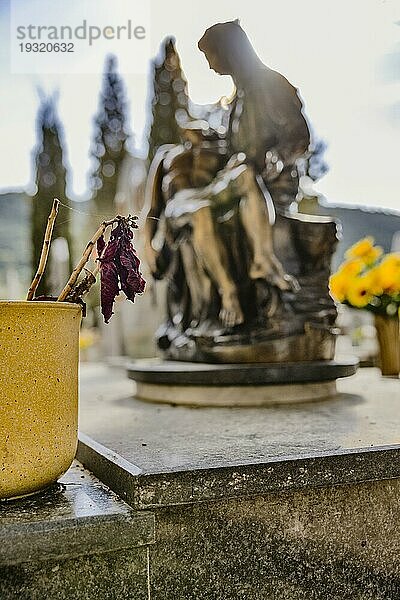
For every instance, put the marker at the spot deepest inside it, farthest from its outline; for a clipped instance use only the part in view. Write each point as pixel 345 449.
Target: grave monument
pixel 247 274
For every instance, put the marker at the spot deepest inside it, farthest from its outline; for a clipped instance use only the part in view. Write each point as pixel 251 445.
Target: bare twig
pixel 45 249
pixel 85 258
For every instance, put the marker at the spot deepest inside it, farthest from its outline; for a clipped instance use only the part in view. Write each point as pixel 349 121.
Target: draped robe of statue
pixel 247 275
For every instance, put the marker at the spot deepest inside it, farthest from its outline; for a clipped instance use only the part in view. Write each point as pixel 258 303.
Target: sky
pixel 343 55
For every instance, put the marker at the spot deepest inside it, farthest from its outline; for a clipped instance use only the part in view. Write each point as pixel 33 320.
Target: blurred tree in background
pixel 110 139
pixel 170 99
pixel 50 179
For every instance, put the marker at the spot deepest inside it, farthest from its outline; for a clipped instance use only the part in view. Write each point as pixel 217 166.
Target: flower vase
pixel 388 334
pixel 39 393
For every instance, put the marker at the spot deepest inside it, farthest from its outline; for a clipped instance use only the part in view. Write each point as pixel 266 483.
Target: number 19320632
pixel 46 47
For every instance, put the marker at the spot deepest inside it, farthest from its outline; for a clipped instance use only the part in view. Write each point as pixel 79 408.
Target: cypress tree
pixel 110 139
pixel 50 179
pixel 170 98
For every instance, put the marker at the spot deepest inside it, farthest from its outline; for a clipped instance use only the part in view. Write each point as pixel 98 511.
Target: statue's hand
pixel 274 164
pixel 272 271
pixel 290 283
pixel 151 256
pixel 282 280
pixel 236 160
pixel 158 260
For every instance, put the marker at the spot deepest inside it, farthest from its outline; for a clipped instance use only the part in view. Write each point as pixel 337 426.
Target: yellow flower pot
pixel 39 351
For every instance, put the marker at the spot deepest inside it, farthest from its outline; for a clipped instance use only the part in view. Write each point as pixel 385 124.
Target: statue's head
pixel 227 48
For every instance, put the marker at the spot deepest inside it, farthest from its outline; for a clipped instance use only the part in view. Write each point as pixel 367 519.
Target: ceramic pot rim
pixel 47 304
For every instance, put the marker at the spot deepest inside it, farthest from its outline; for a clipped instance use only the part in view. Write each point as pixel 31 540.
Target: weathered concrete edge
pixel 112 469
pixel 33 542
pixel 78 517
pixel 150 491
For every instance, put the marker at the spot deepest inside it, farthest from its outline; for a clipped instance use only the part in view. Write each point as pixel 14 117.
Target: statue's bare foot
pixel 230 313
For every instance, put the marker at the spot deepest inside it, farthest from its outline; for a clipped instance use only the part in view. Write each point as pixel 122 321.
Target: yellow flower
pixel 351 267
pixel 365 250
pixel 339 281
pixel 359 292
pixel 361 247
pixel 388 273
pixel 375 281
pixel 338 286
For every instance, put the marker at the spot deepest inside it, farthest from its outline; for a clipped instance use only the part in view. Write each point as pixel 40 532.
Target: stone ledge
pixel 159 455
pixel 156 490
pixel 80 516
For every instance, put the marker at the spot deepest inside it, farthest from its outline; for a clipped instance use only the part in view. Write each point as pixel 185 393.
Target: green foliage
pixel 50 179
pixel 110 138
pixel 170 98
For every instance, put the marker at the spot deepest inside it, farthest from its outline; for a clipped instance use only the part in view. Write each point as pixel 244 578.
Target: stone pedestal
pixel 258 384
pixel 285 502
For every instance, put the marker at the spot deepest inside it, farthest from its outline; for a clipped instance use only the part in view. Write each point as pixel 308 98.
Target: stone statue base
pixel 317 344
pixel 279 326
pixel 195 384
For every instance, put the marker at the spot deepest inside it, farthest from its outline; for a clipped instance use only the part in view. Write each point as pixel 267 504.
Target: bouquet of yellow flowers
pixel 368 279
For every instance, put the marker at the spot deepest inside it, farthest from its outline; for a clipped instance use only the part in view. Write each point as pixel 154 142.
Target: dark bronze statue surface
pixel 247 275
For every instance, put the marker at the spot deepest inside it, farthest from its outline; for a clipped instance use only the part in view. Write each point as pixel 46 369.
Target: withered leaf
pixel 119 267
